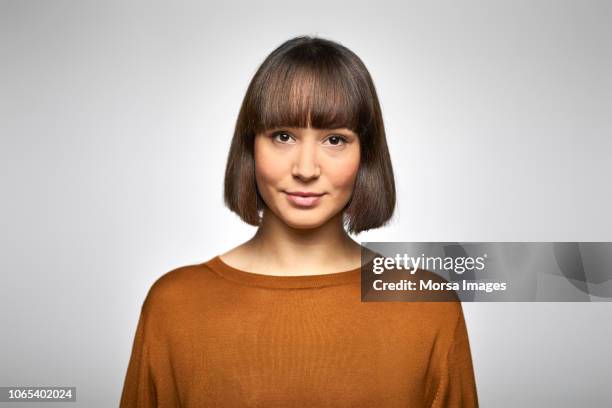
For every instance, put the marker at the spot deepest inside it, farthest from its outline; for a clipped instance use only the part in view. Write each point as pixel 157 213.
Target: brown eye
pixel 282 137
pixel 337 140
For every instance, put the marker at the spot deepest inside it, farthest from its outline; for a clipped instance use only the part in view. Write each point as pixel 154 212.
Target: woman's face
pixel 293 162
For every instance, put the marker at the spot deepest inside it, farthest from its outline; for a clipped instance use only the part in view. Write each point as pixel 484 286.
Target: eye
pixel 336 140
pixel 282 137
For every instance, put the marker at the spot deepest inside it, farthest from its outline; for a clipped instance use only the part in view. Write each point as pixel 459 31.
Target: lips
pixel 303 199
pixel 304 193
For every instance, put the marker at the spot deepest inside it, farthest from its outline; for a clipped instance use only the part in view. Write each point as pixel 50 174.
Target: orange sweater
pixel 213 335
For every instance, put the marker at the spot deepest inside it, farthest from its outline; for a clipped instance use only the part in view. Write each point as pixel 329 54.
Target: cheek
pixel 342 175
pixel 268 168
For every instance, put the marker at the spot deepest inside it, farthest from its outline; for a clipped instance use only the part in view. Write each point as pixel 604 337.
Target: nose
pixel 306 166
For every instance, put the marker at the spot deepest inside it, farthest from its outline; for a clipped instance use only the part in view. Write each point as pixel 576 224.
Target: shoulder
pixel 434 302
pixel 176 286
pixel 441 295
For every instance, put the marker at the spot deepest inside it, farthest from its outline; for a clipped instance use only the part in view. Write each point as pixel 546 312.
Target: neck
pixel 325 249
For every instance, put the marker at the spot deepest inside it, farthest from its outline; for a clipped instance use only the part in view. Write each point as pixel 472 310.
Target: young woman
pixel 278 320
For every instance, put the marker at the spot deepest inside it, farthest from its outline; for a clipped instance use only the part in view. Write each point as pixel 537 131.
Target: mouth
pixel 303 199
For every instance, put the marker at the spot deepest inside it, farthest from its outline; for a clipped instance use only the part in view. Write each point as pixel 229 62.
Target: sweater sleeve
pixel 456 382
pixel 139 387
pixel 150 380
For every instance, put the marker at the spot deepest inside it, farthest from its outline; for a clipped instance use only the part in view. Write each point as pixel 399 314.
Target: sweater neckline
pixel 283 282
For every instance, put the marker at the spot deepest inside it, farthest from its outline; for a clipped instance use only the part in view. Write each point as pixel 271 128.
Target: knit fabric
pixel 211 335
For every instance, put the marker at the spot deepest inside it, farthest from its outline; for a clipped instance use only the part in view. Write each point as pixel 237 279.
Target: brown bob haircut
pixel 310 81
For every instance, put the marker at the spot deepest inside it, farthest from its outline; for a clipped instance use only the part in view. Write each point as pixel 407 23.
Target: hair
pixel 310 81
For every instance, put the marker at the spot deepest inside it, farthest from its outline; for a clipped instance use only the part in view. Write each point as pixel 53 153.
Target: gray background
pixel 115 122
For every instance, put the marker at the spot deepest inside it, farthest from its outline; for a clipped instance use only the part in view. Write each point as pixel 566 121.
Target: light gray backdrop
pixel 115 123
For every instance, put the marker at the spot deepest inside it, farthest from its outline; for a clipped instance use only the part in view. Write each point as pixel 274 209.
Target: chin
pixel 304 221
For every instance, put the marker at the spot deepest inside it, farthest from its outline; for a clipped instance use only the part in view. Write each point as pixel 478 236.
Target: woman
pixel 272 322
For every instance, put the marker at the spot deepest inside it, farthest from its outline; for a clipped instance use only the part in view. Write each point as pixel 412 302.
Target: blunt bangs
pixel 312 87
